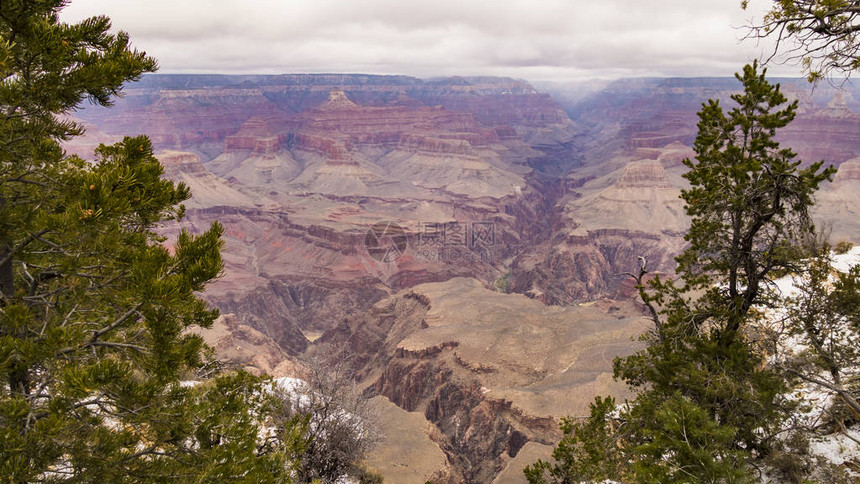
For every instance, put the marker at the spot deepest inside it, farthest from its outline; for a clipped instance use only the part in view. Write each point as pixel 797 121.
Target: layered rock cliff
pixel 299 168
pixel 617 205
pixel 339 193
pixel 490 371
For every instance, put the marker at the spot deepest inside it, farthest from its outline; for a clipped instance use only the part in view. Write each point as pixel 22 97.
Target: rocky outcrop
pixel 674 154
pixel 208 190
pixel 643 174
pixel 848 171
pixel 240 345
pixel 255 136
pixel 837 208
pixel 330 149
pixel 490 371
pixel 602 224
pixel 477 433
pixel 178 163
pixel 562 276
pixel 337 99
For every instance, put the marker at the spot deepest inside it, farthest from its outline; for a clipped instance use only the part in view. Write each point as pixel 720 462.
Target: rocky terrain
pixel 618 205
pixel 297 168
pixel 490 372
pixel 459 240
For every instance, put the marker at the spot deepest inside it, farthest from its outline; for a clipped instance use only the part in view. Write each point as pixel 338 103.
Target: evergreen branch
pixel 94 339
pixel 110 344
pixel 11 253
pixel 116 323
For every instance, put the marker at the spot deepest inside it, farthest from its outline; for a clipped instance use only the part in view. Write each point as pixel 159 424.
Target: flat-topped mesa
pixel 674 154
pixel 255 136
pixel 266 146
pixel 849 170
pixel 670 155
pixel 644 173
pixel 256 127
pixel 334 151
pixel 176 163
pixel 337 99
pixel 435 145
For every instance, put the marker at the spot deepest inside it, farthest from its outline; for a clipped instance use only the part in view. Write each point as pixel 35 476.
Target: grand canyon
pixel 461 242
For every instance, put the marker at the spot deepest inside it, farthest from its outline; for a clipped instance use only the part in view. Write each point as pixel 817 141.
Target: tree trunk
pixel 7 277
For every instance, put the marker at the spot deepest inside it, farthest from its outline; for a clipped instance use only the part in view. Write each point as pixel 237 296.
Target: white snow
pixel 837 447
pixel 843 262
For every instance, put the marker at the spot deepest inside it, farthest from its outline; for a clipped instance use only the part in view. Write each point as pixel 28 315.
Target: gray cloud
pixel 533 39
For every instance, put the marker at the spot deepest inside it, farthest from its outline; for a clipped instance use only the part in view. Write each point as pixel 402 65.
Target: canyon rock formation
pixel 297 168
pixel 490 372
pixel 459 240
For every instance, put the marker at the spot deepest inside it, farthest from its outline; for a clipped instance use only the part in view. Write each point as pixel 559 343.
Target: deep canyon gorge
pixel 519 210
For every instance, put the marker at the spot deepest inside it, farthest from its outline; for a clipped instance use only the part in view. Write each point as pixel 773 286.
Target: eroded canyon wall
pixel 387 215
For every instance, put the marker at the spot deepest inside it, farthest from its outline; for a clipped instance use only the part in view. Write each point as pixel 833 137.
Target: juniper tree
pixel 94 307
pixel 749 201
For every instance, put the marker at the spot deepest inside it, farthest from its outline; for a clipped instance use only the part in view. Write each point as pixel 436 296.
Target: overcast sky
pixel 531 39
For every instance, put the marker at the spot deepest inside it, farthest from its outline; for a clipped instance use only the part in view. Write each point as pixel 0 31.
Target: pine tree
pixel 749 201
pixel 94 307
pixel 706 401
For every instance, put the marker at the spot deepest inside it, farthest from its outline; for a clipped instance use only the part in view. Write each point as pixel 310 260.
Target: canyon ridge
pixel 461 242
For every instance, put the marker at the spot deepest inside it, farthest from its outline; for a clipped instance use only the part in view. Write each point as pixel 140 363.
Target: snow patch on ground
pixel 843 262
pixel 838 447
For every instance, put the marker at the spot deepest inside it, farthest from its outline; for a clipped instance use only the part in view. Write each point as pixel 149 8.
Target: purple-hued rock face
pixel 491 184
pixel 299 167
